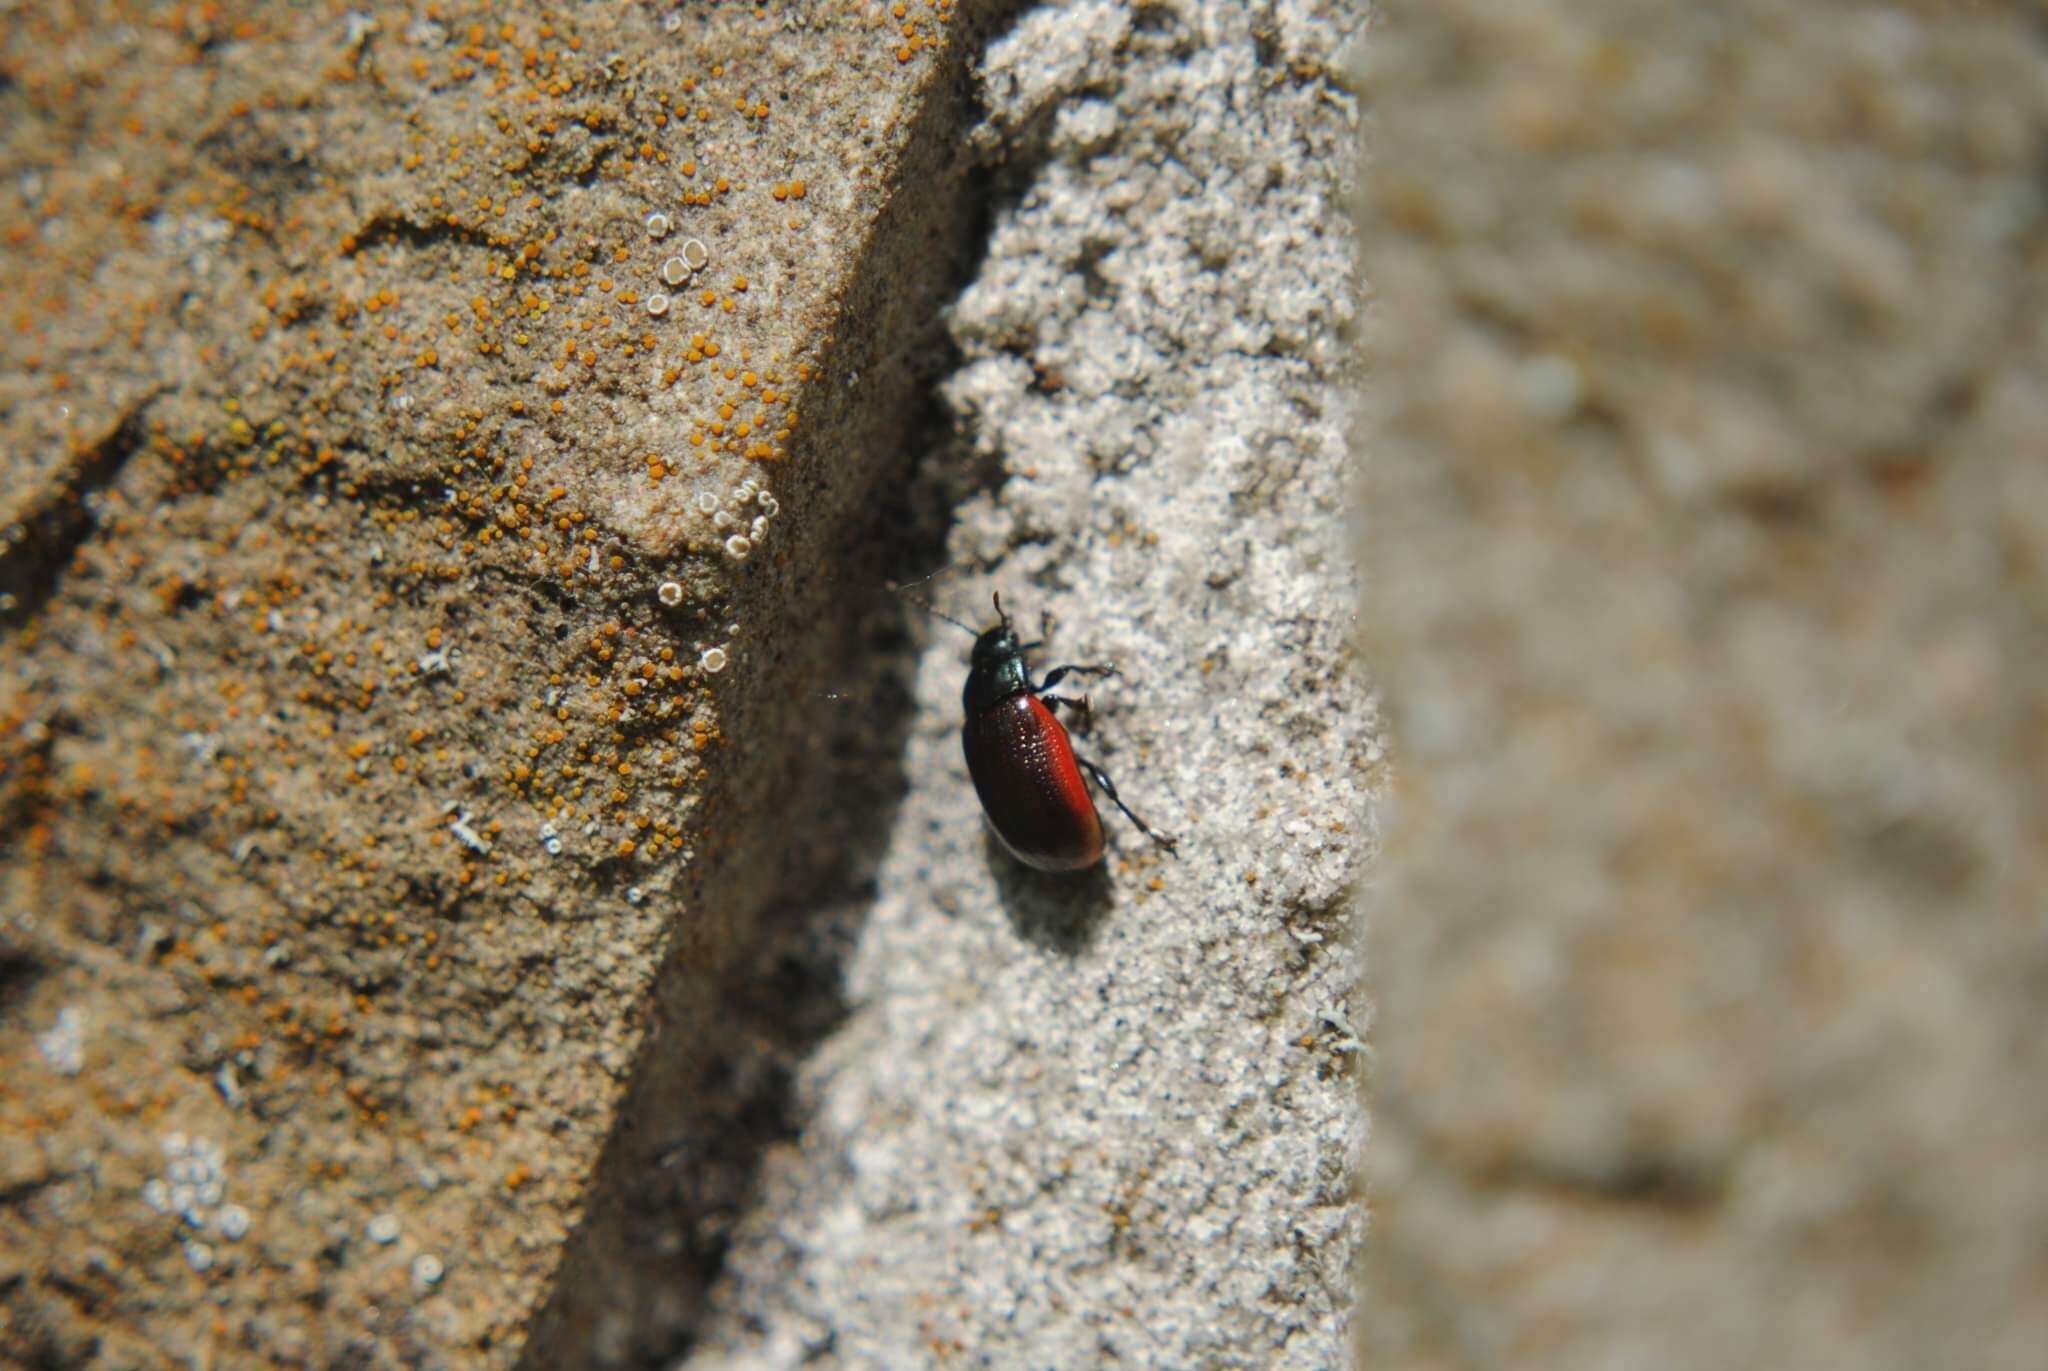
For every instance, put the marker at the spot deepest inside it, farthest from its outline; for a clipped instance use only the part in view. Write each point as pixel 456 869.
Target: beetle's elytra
pixel 1032 786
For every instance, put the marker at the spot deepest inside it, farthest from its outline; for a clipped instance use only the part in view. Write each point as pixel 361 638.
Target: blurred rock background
pixel 1708 583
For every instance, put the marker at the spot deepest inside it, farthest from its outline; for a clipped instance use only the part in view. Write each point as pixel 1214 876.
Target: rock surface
pixel 1112 1121
pixel 1708 524
pixel 408 621
pixel 474 873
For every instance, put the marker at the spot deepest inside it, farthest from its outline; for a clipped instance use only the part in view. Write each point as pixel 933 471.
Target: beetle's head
pixel 999 644
pixel 998 672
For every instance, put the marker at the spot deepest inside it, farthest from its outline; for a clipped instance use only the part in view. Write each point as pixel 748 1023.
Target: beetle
pixel 1023 764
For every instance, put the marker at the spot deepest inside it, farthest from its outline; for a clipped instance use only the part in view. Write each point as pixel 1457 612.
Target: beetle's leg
pixel 1060 673
pixel 1080 708
pixel 1096 775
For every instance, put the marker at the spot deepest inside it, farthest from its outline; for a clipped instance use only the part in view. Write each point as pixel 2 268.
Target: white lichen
pixel 63 1046
pixel 192 1188
pixel 458 824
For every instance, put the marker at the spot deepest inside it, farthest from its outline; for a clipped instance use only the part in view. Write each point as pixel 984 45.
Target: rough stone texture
pixel 1111 1121
pixel 377 842
pixel 1709 530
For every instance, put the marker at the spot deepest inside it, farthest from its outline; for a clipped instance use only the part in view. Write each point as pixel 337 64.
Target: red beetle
pixel 1023 765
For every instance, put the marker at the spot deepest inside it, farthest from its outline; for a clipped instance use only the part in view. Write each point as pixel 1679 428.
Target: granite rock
pixel 1113 1120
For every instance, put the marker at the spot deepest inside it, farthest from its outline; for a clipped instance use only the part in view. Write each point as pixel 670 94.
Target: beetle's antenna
pixel 904 589
pixel 1001 617
pixel 928 576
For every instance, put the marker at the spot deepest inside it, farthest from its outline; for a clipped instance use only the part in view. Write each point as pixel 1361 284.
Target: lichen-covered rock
pixel 427 438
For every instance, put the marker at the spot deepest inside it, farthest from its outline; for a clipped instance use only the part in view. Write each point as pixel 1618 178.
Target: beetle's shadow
pixel 1060 911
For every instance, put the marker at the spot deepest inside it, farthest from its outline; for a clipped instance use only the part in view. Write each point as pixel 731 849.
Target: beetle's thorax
pixel 997 670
